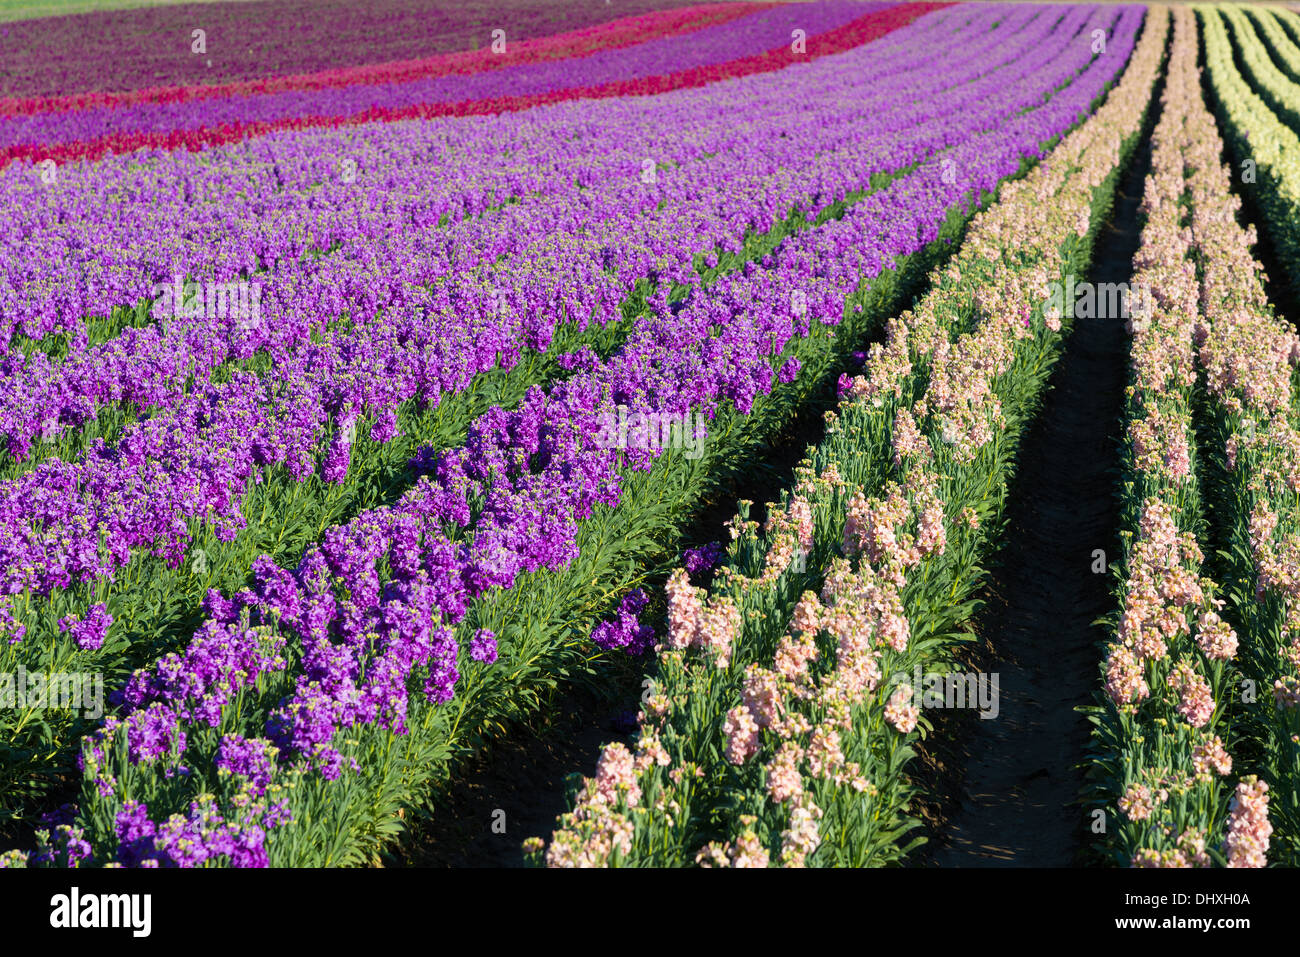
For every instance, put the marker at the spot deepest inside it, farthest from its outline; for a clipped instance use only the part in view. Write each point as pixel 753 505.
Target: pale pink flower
pixel 824 754
pixel 794 654
pixel 802 837
pixel 899 713
pixel 1215 637
pixel 784 780
pixel 1191 843
pixel 1210 756
pixel 651 751
pixel 1137 802
pixel 713 854
pixel 742 735
pixel 615 774
pixel 1195 700
pixel 684 610
pixel 1286 693
pixel 801 517
pixel 761 690
pixel 719 626
pixel 1246 843
pixel 1124 679
pixel 807 614
pixel 907 439
pixel 932 534
pixel 749 851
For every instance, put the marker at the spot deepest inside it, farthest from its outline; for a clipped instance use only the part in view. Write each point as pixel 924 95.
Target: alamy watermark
pixel 103 910
pixel 652 430
pixel 60 691
pixel 951 689
pixel 1103 300
pixel 208 300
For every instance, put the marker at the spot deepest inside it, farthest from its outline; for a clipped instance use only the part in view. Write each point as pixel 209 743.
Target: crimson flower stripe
pixel 861 30
pixel 608 36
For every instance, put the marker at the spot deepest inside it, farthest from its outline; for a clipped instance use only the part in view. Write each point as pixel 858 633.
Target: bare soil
pixel 1006 788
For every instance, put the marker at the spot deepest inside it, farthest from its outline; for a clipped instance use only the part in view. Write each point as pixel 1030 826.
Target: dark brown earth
pixel 524 777
pixel 1012 782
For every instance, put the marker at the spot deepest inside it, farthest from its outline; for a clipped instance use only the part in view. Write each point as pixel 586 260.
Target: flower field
pixel 845 433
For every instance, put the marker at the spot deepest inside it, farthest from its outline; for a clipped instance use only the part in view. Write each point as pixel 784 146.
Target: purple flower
pixel 581 360
pixel 8 623
pixel 205 834
pixel 135 834
pixel 789 370
pixel 63 814
pixel 702 560
pixel 483 646
pixel 625 722
pixel 626 630
pixel 251 759
pixel 88 632
pixel 65 847
pixel 154 733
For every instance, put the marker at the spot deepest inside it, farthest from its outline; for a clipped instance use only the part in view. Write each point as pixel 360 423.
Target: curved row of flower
pixel 1248 356
pixel 152 605
pixel 164 126
pixel 1271 23
pixel 1262 143
pixel 1162 765
pixel 87 239
pixel 1256 36
pixel 54 55
pixel 511 277
pixel 616 34
pixel 777 730
pixel 526 505
pixel 647 56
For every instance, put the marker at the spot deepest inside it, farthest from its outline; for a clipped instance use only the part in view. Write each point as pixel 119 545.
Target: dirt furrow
pixel 1018 774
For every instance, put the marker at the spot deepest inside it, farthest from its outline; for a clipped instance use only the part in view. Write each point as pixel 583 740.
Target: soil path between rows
pixel 1015 803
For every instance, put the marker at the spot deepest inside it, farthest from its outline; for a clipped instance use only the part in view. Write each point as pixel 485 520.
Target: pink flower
pixel 761 691
pixel 803 836
pixel 899 713
pixel 1124 680
pixel 858 676
pixel 1215 637
pixel 651 751
pixel 931 533
pixel 615 774
pixel 1137 802
pixel 1211 756
pixel 749 852
pixel 907 439
pixel 684 610
pixel 718 628
pixel 1195 700
pixel 1246 843
pixel 742 735
pixel 807 614
pixel 784 781
pixel 793 656
pixel 1286 693
pixel 824 754
pixel 801 517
